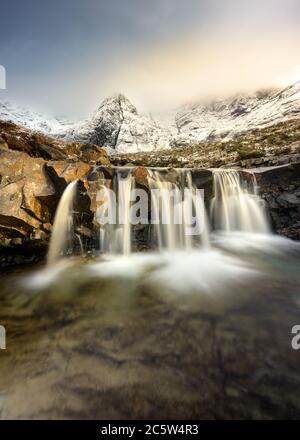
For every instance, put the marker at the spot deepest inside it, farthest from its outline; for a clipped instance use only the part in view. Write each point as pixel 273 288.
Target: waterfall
pixel 170 205
pixel 236 206
pixel 116 238
pixel 62 226
pixel 178 214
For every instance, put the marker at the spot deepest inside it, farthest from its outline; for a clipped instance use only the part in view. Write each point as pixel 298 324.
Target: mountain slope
pixel 224 118
pixel 119 127
pixel 29 119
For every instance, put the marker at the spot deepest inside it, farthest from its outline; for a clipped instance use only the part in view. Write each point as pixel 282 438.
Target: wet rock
pixel 280 188
pixel 70 171
pixel 30 189
pixel 27 196
pixel 288 199
pixel 141 175
pixel 203 179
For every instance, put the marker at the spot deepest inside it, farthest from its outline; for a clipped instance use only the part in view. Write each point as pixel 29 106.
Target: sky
pixel 63 57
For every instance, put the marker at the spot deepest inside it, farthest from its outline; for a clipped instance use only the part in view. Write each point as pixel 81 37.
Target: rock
pixel 283 203
pixel 27 195
pixel 117 125
pixel 34 144
pixel 92 154
pixel 3 144
pixel 70 171
pixel 30 190
pixel 141 175
pixel 288 199
pixel 31 186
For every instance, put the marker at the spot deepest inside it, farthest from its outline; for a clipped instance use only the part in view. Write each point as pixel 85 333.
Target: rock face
pixel 280 188
pixel 34 171
pixel 269 146
pixel 30 189
pixel 222 119
pixel 117 125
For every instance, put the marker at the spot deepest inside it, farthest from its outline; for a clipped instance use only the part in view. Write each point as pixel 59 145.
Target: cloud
pixel 68 55
pixel 186 70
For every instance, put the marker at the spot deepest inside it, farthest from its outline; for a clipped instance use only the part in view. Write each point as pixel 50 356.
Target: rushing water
pixel 169 234
pixel 189 331
pixel 236 205
pixel 63 222
pixel 116 238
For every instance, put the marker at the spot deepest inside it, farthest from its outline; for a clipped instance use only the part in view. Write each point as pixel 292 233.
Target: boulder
pixel 30 189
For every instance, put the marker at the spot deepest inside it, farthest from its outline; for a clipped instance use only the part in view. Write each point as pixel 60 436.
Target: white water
pixel 170 234
pixel 236 205
pixel 62 226
pixel 116 238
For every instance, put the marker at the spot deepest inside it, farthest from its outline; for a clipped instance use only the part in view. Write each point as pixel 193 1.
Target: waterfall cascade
pixel 62 226
pixel 116 238
pixel 171 227
pixel 235 206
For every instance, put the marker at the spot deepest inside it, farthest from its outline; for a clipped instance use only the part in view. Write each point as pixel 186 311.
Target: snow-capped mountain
pixel 224 118
pixel 29 119
pixel 119 127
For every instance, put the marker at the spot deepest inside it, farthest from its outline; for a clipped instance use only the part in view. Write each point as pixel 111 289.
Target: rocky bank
pixel 35 169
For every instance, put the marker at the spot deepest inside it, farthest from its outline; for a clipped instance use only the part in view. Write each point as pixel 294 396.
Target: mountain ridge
pixel 117 126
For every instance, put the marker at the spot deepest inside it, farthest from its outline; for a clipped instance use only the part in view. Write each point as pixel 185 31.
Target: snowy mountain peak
pixel 118 126
pixel 30 119
pixel 115 103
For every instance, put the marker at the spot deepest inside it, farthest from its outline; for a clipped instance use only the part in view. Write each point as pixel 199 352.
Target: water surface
pixel 199 334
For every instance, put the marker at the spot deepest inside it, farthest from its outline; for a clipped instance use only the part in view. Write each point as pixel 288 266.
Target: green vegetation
pixel 274 141
pixel 245 153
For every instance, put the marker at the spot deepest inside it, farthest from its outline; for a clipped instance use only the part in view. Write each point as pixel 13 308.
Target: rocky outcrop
pixel 34 171
pixel 280 188
pixel 16 138
pixel 30 189
pixel 31 185
pixel 118 126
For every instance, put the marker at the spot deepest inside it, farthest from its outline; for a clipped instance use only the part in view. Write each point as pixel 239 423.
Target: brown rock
pixel 141 176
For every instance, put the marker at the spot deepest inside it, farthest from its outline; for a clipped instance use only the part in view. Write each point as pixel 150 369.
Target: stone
pixel 141 175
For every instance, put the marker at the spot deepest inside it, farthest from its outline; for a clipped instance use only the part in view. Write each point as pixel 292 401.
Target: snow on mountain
pixel 224 118
pixel 117 126
pixel 29 119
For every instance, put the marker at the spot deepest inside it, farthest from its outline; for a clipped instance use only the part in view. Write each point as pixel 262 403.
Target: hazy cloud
pixel 64 56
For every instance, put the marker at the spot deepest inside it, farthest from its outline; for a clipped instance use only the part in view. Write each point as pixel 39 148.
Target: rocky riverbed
pixel 150 336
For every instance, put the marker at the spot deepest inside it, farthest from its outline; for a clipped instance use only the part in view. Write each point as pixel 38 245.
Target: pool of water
pixel 190 335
